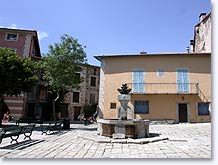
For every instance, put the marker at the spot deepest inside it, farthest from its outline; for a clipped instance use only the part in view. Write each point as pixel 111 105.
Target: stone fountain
pixel 123 127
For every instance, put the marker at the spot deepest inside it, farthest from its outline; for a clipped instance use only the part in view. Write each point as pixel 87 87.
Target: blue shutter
pixel 182 80
pixel 138 81
pixel 203 108
pixel 141 107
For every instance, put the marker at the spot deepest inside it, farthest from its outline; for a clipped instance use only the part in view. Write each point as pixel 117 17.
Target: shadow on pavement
pixel 22 145
pixel 86 128
pixel 58 133
pixel 154 134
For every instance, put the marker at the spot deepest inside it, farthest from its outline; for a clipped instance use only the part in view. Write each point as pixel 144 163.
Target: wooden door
pixel 183 112
pixel 76 112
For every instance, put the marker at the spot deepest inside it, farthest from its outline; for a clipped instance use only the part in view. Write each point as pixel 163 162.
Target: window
pixel 94 71
pixel 113 106
pixel 182 80
pixel 138 81
pixel 141 107
pixel 92 98
pixel 76 97
pixel 203 108
pixel 11 37
pixel 77 76
pixel 78 69
pixel 14 50
pixel 93 81
pixel 34 51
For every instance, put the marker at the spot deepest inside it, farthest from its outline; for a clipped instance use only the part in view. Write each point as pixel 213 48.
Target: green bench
pixel 52 126
pixel 27 130
pixel 15 131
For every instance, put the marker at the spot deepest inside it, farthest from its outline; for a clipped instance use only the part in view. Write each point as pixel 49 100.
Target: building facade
pixel 87 94
pixel 202 34
pixel 25 44
pixel 174 86
pixel 168 86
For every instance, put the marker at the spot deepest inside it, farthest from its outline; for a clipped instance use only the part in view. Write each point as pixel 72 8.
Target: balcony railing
pixel 164 88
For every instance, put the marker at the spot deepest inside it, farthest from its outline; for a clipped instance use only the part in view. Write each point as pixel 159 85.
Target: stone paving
pixel 167 141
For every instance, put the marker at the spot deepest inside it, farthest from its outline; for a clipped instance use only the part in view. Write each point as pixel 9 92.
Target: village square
pixel 140 105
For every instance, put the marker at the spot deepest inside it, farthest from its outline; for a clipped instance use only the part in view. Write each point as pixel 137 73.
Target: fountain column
pixel 122 111
pixel 124 126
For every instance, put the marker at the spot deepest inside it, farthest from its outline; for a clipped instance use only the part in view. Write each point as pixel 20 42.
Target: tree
pixel 17 74
pixel 60 66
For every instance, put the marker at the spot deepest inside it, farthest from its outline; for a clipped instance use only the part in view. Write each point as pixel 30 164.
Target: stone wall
pixel 202 36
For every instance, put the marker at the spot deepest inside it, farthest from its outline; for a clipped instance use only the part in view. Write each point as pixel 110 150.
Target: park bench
pixel 52 126
pixel 27 130
pixel 15 131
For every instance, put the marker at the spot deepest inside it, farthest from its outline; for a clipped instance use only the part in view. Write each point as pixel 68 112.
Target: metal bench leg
pixel 14 139
pixel 44 131
pixel 27 136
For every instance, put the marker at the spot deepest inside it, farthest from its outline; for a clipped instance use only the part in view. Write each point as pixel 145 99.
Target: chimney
pixel 143 52
pixel 202 16
pixel 191 45
pixel 187 49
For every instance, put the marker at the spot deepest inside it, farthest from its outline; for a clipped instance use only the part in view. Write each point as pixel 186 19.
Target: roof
pixel 152 54
pixel 32 32
pixel 19 30
pixel 205 18
pixel 89 65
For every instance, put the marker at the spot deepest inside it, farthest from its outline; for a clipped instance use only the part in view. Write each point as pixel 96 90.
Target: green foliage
pixel 61 64
pixel 89 110
pixel 17 74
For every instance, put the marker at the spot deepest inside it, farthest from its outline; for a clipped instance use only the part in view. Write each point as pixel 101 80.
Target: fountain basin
pixel 118 129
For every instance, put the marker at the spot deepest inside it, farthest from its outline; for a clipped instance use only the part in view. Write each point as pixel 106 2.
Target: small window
pixel 93 81
pixel 94 71
pixel 92 99
pixel 203 108
pixel 11 37
pixel 14 50
pixel 78 69
pixel 113 106
pixel 160 72
pixel 76 97
pixel 77 76
pixel 141 107
pixel 34 51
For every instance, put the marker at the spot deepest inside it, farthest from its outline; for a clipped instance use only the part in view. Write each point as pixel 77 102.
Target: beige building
pixel 87 94
pixel 168 86
pixel 171 86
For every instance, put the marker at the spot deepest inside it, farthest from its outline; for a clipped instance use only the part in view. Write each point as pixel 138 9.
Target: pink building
pixel 25 44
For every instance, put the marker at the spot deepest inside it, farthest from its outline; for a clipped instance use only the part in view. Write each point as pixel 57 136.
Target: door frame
pixel 188 111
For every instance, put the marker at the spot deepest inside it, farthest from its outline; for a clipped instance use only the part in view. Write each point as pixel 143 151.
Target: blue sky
pixel 109 26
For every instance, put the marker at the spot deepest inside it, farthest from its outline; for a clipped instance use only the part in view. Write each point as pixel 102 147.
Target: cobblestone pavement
pixel 178 141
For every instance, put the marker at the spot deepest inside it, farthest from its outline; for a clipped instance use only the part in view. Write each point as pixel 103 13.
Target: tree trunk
pixel 54 113
pixel 53 104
